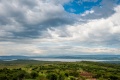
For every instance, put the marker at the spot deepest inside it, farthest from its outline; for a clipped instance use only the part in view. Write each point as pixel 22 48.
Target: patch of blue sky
pixel 118 2
pixel 79 6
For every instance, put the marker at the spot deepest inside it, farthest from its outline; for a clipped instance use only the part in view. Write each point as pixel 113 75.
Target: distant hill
pixel 95 57
pixel 98 57
pixel 13 57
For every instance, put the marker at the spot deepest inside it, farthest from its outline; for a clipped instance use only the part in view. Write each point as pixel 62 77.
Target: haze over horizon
pixel 59 27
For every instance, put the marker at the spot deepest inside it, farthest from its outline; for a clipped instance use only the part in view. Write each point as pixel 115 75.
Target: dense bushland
pixel 37 70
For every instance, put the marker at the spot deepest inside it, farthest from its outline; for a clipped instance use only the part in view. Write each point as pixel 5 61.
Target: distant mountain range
pixel 96 57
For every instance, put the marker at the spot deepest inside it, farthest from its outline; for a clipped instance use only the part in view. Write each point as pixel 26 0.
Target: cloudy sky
pixel 59 27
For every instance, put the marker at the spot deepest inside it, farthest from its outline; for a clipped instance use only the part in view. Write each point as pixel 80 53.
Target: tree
pixel 34 75
pixel 61 77
pixel 52 76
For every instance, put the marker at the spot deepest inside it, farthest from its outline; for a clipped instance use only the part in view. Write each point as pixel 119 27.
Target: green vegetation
pixel 41 70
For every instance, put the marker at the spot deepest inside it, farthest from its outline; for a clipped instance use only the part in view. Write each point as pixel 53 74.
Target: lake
pixel 71 60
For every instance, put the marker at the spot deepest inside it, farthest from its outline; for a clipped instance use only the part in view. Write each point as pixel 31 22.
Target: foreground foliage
pixel 37 70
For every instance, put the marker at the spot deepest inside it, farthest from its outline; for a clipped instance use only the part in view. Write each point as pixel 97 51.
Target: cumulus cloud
pixel 23 18
pixel 94 29
pixel 98 32
pixel 42 27
pixel 28 18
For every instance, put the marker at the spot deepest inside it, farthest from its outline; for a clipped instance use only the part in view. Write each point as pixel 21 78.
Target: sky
pixel 59 27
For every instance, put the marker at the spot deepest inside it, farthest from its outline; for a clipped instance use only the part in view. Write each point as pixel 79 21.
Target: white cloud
pixel 43 11
pixel 87 12
pixel 11 48
pixel 20 16
pixel 98 50
pixel 96 31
